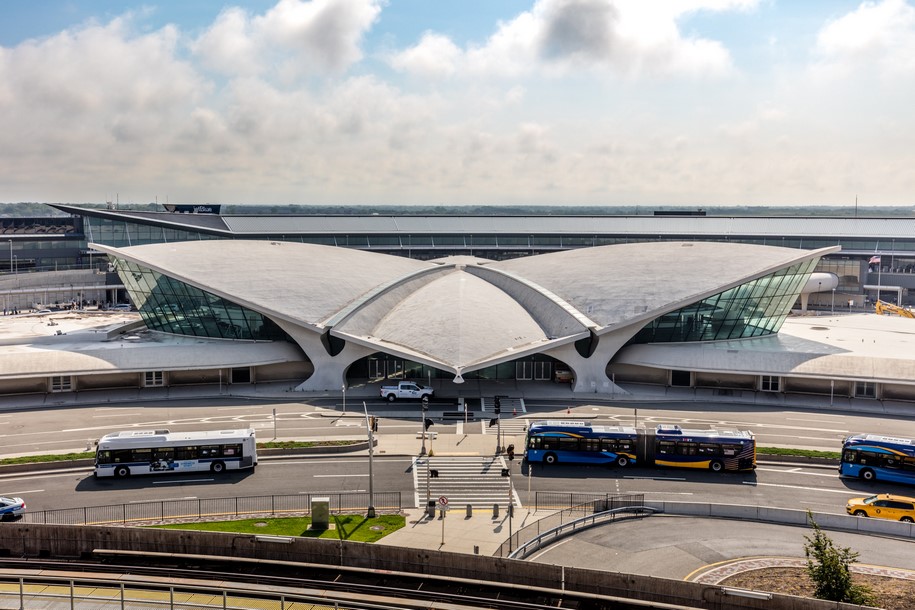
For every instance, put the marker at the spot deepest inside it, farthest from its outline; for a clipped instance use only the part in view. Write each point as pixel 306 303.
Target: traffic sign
pixel 443 501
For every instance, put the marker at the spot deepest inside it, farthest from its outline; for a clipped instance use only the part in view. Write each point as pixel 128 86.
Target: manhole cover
pixel 377 528
pixel 260 524
pixel 819 328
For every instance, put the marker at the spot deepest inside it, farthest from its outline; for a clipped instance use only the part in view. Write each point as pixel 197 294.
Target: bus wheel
pixel 217 467
pixel 622 461
pixel 868 475
pixel 121 471
pixel 550 458
pixel 716 466
pixel 860 513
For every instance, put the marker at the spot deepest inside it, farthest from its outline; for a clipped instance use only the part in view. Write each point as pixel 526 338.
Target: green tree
pixel 829 568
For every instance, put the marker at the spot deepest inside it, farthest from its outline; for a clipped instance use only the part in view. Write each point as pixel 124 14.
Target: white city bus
pixel 122 454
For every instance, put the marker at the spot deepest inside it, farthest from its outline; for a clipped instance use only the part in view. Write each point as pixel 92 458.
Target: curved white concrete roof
pixel 461 313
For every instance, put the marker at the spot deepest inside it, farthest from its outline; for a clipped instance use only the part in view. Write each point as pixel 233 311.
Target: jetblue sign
pixel 194 208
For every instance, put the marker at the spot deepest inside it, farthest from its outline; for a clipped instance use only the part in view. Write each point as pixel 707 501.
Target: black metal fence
pixel 211 508
pixel 571 506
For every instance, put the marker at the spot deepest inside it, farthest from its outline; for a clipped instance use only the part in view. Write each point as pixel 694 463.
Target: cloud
pixel 876 36
pixel 295 36
pixel 434 56
pixel 626 37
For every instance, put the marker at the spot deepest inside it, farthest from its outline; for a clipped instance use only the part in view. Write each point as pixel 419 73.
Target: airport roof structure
pixel 660 226
pixel 462 313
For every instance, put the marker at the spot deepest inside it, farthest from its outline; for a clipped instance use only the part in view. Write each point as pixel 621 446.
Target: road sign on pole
pixel 443 501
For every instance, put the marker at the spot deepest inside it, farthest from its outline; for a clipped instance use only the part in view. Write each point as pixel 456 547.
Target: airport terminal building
pixel 242 301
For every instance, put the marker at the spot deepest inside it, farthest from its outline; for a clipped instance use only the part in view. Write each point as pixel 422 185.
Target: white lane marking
pixel 654 478
pixel 549 548
pixel 318 493
pixel 800 471
pixel 331 476
pixel 106 415
pixel 163 500
pixel 832 491
pixel 184 481
pixel 27 491
pixel 666 493
pixel 113 408
pixel 816 421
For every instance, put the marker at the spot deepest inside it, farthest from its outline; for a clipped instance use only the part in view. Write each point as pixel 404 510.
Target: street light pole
pixel 833 306
pixel 344 397
pixel 422 421
pixel 370 513
pixel 11 254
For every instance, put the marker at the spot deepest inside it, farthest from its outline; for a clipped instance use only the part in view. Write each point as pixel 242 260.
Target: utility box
pixel 320 513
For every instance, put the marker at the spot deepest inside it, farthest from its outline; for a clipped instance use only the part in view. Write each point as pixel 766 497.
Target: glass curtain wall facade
pixel 753 309
pixel 170 306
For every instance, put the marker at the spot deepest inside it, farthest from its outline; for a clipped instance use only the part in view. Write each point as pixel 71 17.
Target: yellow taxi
pixel 885 506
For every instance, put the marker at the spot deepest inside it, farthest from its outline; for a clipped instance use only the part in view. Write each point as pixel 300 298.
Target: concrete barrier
pixel 64 541
pixel 787 516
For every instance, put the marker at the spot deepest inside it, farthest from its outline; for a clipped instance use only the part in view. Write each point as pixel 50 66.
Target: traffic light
pixel 498 404
pixel 427 422
pixel 493 421
pixel 425 401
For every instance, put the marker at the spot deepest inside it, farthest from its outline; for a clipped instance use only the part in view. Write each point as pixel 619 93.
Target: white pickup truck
pixel 405 389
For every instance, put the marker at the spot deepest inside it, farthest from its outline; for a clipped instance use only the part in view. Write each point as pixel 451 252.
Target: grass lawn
pixel 355 528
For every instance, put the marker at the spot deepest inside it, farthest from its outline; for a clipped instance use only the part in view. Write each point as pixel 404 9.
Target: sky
pixel 458 102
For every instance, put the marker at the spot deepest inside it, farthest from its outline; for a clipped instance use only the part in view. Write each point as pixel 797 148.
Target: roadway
pixel 780 485
pixel 58 429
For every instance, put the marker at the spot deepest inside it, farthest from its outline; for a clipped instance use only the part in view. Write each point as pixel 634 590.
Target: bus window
pixel 686 448
pixel 667 447
pixel 210 451
pixel 231 450
pixel 141 455
pixel 186 453
pixel 709 449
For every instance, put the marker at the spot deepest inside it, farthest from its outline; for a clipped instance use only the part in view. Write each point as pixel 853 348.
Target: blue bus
pixel 578 442
pixel 715 450
pixel 872 457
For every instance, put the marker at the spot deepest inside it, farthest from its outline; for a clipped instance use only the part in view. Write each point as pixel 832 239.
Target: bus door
pixel 645 447
pixel 524 370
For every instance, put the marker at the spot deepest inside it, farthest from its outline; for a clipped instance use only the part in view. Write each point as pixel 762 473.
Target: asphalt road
pixel 57 429
pixel 785 486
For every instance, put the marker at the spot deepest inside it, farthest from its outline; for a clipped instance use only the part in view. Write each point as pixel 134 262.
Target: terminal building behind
pixel 571 310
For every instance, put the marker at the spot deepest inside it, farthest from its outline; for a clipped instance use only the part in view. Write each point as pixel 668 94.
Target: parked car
pixel 885 506
pixel 121 307
pixel 11 508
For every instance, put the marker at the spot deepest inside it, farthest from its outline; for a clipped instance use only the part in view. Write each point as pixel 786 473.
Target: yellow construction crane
pixel 888 308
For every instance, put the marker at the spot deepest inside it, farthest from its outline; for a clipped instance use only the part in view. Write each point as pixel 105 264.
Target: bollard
pixel 495 511
pixel 469 510
pixel 430 509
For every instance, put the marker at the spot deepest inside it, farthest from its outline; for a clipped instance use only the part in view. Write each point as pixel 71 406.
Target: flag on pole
pixel 875 260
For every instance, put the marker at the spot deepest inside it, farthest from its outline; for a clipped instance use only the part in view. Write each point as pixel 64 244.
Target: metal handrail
pixel 577 525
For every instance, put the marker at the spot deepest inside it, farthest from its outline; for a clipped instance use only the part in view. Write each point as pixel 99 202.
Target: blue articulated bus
pixel 578 442
pixel 874 457
pixel 715 450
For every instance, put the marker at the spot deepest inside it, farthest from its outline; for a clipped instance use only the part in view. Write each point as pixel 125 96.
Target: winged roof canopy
pixel 461 313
